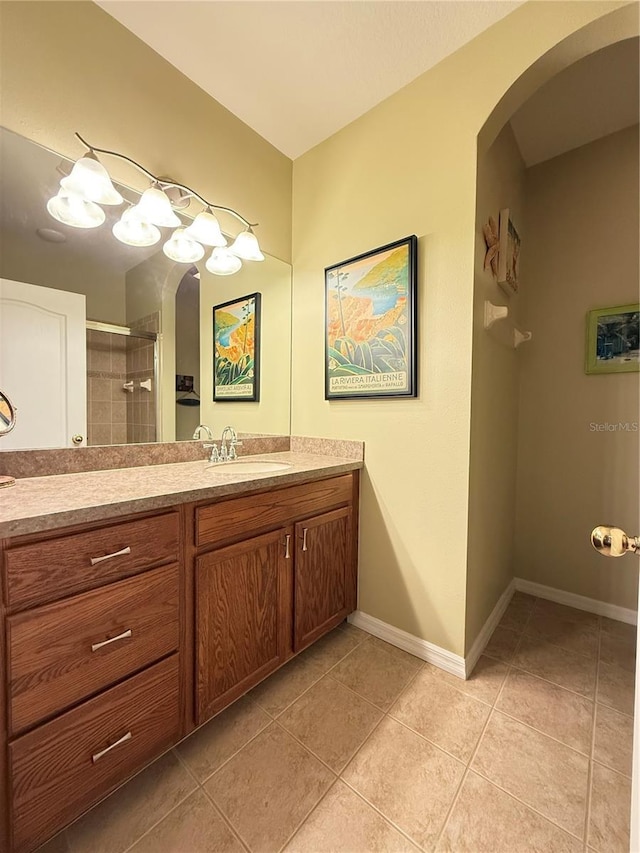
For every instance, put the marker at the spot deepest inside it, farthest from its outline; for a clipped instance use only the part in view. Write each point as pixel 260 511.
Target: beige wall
pixel 494 396
pixel 408 166
pixel 271 278
pixel 188 352
pixel 68 66
pixel 581 253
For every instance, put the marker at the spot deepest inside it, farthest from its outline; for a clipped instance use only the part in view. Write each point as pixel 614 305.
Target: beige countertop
pixel 35 504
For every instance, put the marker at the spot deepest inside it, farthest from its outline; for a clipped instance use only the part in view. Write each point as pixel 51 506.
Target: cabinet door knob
pixel 287 546
pixel 123 739
pixel 304 539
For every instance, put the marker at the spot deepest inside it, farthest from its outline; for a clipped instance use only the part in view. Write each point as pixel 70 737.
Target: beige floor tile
pixel 539 771
pixel 410 781
pixel 359 634
pixel 610 811
pixel 343 821
pixel 205 750
pixel 502 644
pixel 283 687
pixel 331 721
pixel 619 650
pixel 616 687
pixel 518 611
pixel 484 683
pixel 614 739
pixel 376 671
pixel 618 629
pixel 568 669
pixel 268 788
pixel 566 633
pixel 193 827
pixel 486 820
pixel 330 649
pixel 550 709
pixel 561 611
pixel 442 714
pixel 114 825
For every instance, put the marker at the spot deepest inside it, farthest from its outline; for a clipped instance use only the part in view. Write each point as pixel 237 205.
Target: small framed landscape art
pixel 508 254
pixel 236 348
pixel 613 340
pixel 370 324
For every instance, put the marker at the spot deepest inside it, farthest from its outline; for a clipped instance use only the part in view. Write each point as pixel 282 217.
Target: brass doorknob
pixel 613 542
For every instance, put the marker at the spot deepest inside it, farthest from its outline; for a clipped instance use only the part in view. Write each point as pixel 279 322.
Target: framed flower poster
pixel 613 340
pixel 508 254
pixel 236 348
pixel 370 324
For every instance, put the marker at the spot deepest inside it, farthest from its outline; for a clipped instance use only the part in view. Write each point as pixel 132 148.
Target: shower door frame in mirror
pixel 155 337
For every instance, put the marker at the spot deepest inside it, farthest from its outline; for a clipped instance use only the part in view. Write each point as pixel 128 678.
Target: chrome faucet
pixel 196 433
pixel 227 454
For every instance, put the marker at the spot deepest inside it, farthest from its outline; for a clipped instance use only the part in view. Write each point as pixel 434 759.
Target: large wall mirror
pixel 134 328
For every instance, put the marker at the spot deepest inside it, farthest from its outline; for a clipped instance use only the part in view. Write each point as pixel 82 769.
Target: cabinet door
pixel 242 593
pixel 323 575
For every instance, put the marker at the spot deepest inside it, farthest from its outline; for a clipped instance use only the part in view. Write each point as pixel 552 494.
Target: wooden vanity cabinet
pixel 119 638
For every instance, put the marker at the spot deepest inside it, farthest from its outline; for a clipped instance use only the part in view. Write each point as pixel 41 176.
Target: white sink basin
pixel 248 466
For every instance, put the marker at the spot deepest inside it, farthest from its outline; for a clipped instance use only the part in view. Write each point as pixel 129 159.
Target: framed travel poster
pixel 236 348
pixel 613 344
pixel 370 324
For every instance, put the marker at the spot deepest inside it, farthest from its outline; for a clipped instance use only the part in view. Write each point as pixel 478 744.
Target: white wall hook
pixel 520 337
pixel 146 384
pixel 493 313
pixel 128 386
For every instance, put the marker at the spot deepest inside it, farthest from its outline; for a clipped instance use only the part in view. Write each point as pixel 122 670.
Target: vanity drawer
pixel 63 652
pixel 65 766
pixel 62 566
pixel 254 514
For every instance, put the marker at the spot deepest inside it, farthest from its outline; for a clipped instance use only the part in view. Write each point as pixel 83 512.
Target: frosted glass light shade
pixel 71 209
pixel 133 231
pixel 183 249
pixel 90 180
pixel 246 246
pixel 222 262
pixel 154 207
pixel 205 228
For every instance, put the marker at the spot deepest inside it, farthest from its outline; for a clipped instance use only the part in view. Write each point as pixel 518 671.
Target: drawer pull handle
pixel 96 560
pixel 95 758
pixel 304 539
pixel 287 546
pixel 126 635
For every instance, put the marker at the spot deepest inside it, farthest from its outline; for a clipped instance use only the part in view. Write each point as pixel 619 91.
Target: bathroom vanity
pixel 127 624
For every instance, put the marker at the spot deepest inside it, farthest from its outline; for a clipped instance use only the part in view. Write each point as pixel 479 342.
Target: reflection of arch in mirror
pixel 7 423
pixel 187 321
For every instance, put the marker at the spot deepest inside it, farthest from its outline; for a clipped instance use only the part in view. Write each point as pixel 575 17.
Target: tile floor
pixel 356 746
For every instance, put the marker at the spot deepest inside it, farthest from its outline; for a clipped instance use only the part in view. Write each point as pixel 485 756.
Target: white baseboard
pixel 410 643
pixel 580 602
pixel 471 659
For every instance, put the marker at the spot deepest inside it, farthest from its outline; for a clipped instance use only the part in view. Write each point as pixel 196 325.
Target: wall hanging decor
pixel 492 242
pixel 508 254
pixel 370 323
pixel 613 340
pixel 236 347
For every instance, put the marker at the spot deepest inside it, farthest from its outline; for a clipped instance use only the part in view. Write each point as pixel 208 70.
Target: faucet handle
pixel 214 456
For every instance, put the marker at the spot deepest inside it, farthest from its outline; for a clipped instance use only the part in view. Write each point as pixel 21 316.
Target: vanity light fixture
pixel 182 249
pixel 222 262
pixel 90 179
pixel 205 228
pixel 89 185
pixel 72 209
pixel 133 231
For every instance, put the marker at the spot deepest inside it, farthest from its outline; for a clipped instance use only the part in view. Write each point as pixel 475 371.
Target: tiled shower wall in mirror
pixel 119 408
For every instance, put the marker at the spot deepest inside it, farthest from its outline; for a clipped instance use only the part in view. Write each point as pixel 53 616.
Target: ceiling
pixel 297 72
pixel 594 97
